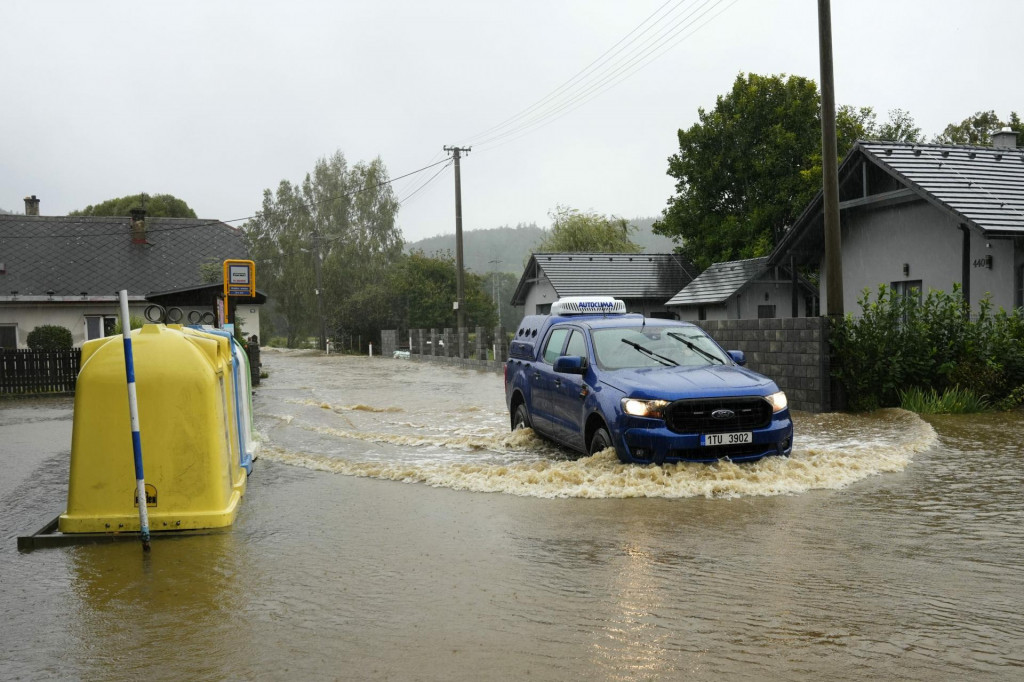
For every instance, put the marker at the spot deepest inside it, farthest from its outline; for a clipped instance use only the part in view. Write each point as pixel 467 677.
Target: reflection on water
pixel 188 599
pixel 461 440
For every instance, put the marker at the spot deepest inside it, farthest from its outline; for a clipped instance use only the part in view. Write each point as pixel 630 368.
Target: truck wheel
pixel 600 441
pixel 520 418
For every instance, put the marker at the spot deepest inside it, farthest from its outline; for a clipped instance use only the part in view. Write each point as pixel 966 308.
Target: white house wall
pixel 744 305
pixel 930 242
pixel 540 294
pixel 27 317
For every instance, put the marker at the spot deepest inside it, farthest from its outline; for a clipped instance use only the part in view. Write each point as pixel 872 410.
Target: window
pixel 765 312
pixel 910 288
pixel 9 336
pixel 543 309
pixel 553 348
pixel 812 306
pixel 98 326
pixel 1019 286
pixel 577 346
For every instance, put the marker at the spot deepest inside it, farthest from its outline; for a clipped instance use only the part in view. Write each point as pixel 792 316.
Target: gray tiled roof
pixel 981 186
pixel 719 282
pixel 70 255
pixel 624 275
pixel 985 185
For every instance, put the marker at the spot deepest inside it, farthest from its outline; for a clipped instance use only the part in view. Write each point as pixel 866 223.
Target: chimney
pixel 138 226
pixel 1004 139
pixel 31 205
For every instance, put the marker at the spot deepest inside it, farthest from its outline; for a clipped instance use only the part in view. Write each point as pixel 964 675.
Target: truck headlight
pixel 653 409
pixel 778 401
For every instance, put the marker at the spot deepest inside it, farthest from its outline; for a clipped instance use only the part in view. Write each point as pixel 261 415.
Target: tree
pixel 424 288
pixel 978 129
pixel 156 205
pixel 579 231
pixel 747 169
pixel 899 128
pixel 738 170
pixel 343 216
pixel 501 286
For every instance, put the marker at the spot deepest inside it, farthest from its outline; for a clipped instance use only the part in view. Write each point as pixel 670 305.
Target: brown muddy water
pixel 394 529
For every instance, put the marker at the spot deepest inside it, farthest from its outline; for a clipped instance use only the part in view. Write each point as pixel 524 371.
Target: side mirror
pixel 571 364
pixel 738 356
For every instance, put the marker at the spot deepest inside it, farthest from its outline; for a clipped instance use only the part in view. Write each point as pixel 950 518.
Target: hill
pixel 511 246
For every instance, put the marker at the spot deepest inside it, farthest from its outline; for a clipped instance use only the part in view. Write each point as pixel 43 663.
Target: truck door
pixel 542 382
pixel 567 395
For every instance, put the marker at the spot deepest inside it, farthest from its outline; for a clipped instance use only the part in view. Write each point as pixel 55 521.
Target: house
pixel 922 216
pixel 744 289
pixel 644 281
pixel 68 270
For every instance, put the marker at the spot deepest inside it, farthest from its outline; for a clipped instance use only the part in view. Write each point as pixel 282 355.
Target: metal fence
pixel 34 371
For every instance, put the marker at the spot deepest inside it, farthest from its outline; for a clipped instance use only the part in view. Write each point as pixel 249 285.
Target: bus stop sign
pixel 239 278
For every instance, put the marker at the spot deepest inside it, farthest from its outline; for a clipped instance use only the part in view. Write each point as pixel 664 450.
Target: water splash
pixel 838 451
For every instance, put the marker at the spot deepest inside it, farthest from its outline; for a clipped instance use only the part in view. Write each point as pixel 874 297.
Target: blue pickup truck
pixel 591 376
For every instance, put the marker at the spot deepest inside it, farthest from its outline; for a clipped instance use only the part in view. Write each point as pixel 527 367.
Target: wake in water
pixel 832 451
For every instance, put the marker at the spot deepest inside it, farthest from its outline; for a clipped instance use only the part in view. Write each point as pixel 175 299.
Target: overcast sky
pixel 215 101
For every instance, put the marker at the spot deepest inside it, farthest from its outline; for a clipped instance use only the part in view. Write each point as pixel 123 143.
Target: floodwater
pixel 394 529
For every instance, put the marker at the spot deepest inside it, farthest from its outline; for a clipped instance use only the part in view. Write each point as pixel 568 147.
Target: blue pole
pixel 133 408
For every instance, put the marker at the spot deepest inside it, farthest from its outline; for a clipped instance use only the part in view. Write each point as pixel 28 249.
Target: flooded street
pixel 393 528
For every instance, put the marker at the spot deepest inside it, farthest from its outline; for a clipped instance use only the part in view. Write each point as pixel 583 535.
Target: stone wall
pixel 793 351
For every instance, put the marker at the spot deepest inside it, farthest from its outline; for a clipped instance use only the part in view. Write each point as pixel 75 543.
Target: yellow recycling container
pixel 187 428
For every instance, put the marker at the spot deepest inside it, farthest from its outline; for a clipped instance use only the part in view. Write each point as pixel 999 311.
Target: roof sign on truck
pixel 588 305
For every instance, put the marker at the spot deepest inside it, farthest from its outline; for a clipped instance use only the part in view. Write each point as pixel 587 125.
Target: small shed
pixel 744 289
pixel 203 300
pixel 644 281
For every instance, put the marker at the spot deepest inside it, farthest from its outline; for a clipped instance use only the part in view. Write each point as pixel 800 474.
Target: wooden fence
pixel 32 371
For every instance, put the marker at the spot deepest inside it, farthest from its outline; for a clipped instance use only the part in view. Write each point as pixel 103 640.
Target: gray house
pixel 743 290
pixel 66 270
pixel 923 216
pixel 643 280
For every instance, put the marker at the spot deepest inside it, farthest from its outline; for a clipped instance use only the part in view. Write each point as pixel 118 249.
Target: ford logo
pixel 723 414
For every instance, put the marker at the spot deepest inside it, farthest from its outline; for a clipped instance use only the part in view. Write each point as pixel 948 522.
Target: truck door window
pixel 576 346
pixel 553 348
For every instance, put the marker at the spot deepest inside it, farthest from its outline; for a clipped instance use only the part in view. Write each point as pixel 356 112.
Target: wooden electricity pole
pixel 829 166
pixel 460 290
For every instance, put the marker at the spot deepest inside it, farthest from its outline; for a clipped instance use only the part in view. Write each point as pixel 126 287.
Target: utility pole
pixel 319 290
pixel 459 276
pixel 496 287
pixel 829 166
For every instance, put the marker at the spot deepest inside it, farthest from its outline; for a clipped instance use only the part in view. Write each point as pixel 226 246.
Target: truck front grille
pixel 695 415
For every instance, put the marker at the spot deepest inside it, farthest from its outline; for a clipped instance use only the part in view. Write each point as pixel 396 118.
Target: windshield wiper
pixel 668 362
pixel 694 347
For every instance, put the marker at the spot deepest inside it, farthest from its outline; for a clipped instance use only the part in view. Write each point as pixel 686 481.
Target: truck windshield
pixel 616 348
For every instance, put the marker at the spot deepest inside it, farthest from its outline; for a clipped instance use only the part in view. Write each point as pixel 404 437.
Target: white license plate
pixel 727 438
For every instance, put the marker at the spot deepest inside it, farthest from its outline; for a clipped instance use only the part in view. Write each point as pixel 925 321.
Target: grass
pixel 951 401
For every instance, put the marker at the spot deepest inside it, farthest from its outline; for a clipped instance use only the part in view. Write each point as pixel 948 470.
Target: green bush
pixel 951 401
pixel 134 321
pixel 49 337
pixel 899 343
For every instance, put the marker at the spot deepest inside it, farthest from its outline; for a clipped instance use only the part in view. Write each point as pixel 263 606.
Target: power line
pixel 569 97
pixel 568 82
pixel 432 178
